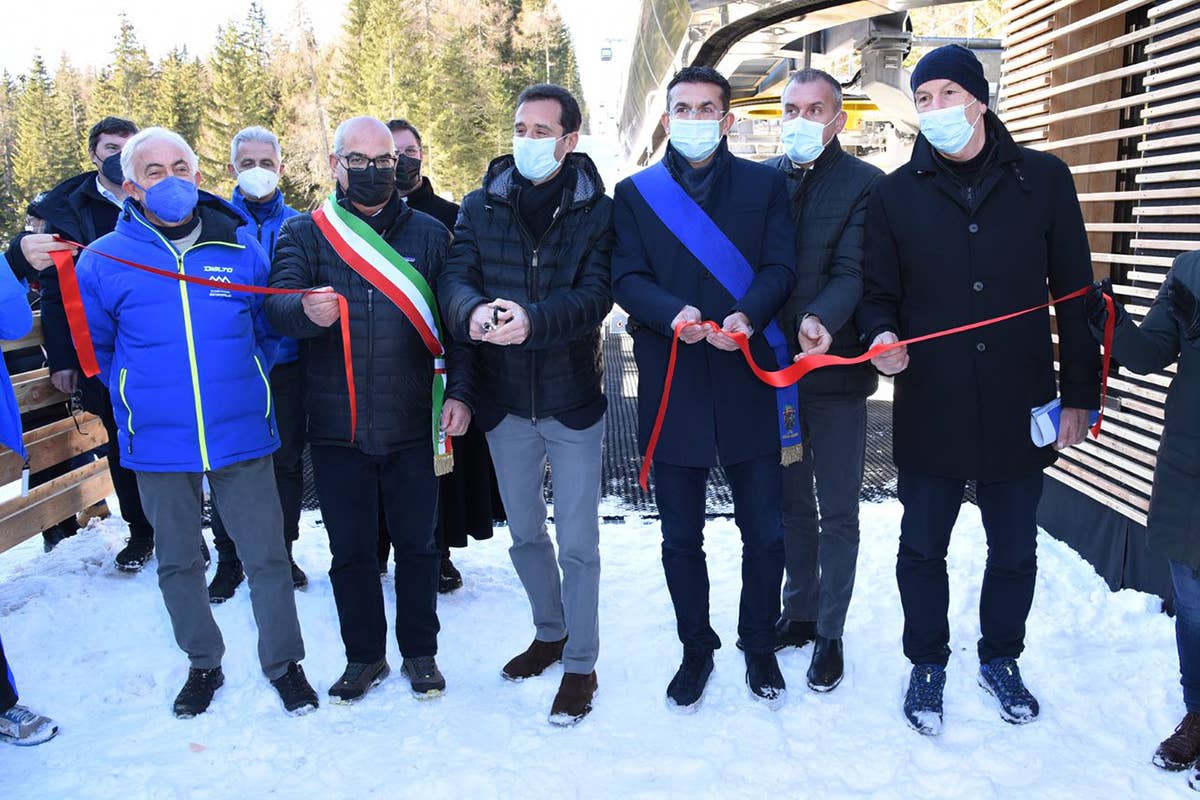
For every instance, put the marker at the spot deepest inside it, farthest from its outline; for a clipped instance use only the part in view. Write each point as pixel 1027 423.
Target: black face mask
pixel 110 168
pixel 408 173
pixel 371 186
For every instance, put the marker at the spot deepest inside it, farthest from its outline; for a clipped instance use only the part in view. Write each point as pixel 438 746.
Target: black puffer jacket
pixel 393 371
pixel 829 208
pixel 562 282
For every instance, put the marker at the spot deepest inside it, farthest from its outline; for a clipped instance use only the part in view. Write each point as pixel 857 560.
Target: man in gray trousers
pixel 829 190
pixel 527 279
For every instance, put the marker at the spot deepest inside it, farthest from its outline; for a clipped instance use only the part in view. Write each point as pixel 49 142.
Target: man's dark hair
pixel 569 115
pixel 397 125
pixel 811 75
pixel 701 75
pixel 113 126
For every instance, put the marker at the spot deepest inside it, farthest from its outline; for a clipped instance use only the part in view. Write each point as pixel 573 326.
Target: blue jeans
pixel 1186 581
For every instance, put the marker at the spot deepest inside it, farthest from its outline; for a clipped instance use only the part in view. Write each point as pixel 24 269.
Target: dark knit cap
pixel 952 62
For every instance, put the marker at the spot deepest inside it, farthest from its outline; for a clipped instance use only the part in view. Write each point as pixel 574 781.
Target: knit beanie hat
pixel 955 63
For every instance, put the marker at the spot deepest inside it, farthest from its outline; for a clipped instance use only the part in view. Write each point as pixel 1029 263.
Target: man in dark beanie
pixel 971 228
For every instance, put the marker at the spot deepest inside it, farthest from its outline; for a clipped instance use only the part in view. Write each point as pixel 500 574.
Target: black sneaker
pixel 197 693
pixel 136 553
pixel 294 690
pixel 687 687
pixel 765 680
pixel 449 578
pixel 229 576
pixel 299 579
pixel 426 679
pixel 358 679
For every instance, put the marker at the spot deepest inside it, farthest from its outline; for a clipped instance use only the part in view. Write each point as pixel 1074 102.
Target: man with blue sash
pixel 704 235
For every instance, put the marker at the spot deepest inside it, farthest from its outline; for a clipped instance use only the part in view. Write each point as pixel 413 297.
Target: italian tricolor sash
pixel 365 252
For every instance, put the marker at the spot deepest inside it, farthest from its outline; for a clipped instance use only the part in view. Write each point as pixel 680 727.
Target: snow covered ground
pixel 93 648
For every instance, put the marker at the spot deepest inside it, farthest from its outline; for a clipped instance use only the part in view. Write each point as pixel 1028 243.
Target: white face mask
pixel 695 139
pixel 803 139
pixel 257 182
pixel 947 129
pixel 535 157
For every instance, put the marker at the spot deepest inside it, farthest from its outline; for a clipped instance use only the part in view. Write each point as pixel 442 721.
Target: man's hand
pixel 691 334
pixel 513 327
pixel 455 417
pixel 893 362
pixel 65 380
pixel 737 322
pixel 814 338
pixel 481 321
pixel 1072 427
pixel 321 306
pixel 37 247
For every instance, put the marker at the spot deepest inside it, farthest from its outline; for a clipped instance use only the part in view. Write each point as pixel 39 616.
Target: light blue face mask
pixel 535 157
pixel 695 139
pixel 947 129
pixel 803 140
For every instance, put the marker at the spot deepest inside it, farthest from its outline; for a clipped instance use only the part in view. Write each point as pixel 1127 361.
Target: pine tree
pixel 180 96
pixel 45 153
pixel 10 222
pixel 70 92
pixel 125 88
pixel 349 86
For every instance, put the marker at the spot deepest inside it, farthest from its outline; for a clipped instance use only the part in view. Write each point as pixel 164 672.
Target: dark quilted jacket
pixel 393 371
pixel 562 282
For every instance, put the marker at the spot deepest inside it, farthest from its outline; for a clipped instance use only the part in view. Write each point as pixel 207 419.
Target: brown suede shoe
pixel 574 698
pixel 534 661
pixel 1180 749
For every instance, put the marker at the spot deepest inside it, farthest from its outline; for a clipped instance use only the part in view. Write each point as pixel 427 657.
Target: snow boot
pixel 424 676
pixel 224 584
pixel 1001 678
pixel 687 687
pixel 1181 749
pixel 923 701
pixel 135 554
pixel 197 693
pixel 574 699
pixel 765 680
pixel 295 691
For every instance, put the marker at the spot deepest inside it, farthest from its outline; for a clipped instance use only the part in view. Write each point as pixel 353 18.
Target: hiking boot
pixel 295 691
pixel 135 554
pixel 535 660
pixel 299 579
pixel 765 680
pixel 358 679
pixel 449 578
pixel 1181 749
pixel 197 693
pixel 24 728
pixel 574 699
pixel 51 537
pixel 98 510
pixel 229 576
pixel 1001 678
pixel 426 679
pixel 687 687
pixel 789 633
pixel 923 701
pixel 828 665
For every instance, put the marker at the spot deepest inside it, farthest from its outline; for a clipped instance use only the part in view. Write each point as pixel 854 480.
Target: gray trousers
pixel 245 496
pixel 570 605
pixel 821 547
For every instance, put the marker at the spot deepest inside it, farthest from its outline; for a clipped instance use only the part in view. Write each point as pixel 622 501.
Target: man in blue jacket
pixel 721 415
pixel 255 161
pixel 187 369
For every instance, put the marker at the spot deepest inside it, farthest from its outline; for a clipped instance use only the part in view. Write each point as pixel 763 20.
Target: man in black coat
pixel 720 414
pixel 973 227
pixel 388 452
pixel 528 279
pixel 829 190
pixel 83 209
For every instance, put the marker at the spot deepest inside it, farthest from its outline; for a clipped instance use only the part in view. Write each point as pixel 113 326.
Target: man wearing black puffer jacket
pixel 358 247
pixel 829 189
pixel 528 278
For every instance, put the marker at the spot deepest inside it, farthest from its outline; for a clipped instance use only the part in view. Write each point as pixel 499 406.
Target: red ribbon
pixel 82 336
pixel 798 369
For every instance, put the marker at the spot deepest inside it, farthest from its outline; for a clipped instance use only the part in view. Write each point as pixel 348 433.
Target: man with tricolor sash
pixel 381 406
pixel 704 235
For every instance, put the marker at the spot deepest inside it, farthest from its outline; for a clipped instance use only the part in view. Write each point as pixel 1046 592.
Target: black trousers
pixel 1009 511
pixel 349 485
pixel 8 685
pixel 757 486
pixel 287 390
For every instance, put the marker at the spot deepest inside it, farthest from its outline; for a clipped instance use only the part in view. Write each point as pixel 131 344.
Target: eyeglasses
pixel 706 111
pixel 356 162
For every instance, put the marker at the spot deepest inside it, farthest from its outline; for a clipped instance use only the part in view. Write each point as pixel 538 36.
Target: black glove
pixel 1096 308
pixel 1184 308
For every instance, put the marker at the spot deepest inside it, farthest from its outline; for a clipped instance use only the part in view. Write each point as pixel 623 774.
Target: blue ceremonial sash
pixel 697 232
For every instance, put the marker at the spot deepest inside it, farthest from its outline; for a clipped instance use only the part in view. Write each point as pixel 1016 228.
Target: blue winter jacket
pixel 16 318
pixel 268 233
pixel 186 365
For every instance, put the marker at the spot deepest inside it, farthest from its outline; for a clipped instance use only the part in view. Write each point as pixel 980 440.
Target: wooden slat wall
pixel 1113 89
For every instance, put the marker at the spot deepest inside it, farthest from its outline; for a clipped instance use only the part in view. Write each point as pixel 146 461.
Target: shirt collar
pixel 106 194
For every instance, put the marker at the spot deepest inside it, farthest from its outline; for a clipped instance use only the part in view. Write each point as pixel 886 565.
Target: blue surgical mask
pixel 803 139
pixel 695 139
pixel 535 157
pixel 173 199
pixel 947 129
